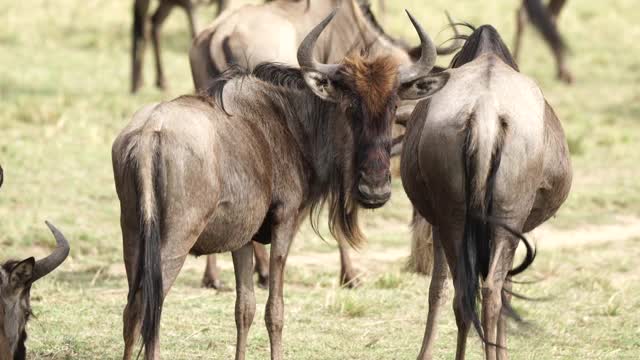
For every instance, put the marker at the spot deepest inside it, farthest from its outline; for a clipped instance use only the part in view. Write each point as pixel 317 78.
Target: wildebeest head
pixel 367 89
pixel 16 278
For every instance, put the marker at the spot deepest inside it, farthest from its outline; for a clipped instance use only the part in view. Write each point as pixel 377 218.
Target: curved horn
pixel 457 41
pixel 1 175
pixel 305 50
pixel 427 59
pixel 59 254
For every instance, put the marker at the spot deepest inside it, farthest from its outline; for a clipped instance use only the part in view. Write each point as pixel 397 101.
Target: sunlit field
pixel 64 96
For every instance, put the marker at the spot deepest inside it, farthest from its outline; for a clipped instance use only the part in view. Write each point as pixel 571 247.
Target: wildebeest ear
pixel 22 273
pixel 321 85
pixel 423 87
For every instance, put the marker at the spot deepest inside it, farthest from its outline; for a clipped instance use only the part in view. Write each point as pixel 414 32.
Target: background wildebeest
pixel 483 161
pixel 545 20
pixel 16 278
pixel 253 34
pixel 193 177
pixel 140 9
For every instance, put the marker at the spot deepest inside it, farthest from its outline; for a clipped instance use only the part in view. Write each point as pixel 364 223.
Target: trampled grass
pixel 64 80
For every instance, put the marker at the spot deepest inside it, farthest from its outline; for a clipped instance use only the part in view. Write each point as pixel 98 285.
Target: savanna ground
pixel 64 80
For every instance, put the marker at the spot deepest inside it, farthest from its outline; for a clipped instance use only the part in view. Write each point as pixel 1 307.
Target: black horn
pixel 305 50
pixel 59 254
pixel 427 59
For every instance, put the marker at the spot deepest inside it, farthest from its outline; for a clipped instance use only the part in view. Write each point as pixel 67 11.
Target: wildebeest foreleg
pixel 436 298
pixel 245 297
pixel 156 23
pixel 281 240
pixel 348 275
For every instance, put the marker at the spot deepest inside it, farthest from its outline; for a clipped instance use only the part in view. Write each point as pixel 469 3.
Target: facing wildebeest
pixel 253 34
pixel 249 159
pixel 16 278
pixel 545 20
pixel 484 160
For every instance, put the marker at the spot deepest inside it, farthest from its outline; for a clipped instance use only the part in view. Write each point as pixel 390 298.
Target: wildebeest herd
pixel 293 113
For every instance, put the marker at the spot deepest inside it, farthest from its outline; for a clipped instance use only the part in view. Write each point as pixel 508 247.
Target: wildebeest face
pixel 15 310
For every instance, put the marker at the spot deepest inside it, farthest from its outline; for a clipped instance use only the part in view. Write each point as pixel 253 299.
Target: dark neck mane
pixel 321 135
pixel 483 40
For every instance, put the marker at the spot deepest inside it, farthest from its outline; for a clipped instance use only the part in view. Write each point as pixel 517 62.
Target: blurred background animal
pixel 16 278
pixel 545 19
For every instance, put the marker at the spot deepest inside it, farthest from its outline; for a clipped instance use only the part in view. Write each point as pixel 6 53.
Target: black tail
pixel 149 272
pixel 479 230
pixel 541 19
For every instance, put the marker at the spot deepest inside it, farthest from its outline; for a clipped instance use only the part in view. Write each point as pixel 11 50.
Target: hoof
pixel 350 281
pixel 565 76
pixel 161 84
pixel 216 284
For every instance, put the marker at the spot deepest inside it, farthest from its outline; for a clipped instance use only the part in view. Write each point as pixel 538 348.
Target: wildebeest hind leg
pixel 502 323
pixel 262 264
pixel 436 299
pixel 211 278
pixel 245 297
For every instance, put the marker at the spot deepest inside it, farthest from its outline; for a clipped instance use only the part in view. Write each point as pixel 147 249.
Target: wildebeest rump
pixel 253 34
pixel 16 278
pixel 484 160
pixel 196 177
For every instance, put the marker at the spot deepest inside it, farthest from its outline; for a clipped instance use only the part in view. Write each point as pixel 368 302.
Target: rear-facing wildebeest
pixel 484 160
pixel 16 278
pixel 250 158
pixel 253 34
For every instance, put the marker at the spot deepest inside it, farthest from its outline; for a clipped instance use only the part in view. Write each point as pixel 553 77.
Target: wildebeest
pixel 249 159
pixel 253 34
pixel 16 278
pixel 140 9
pixel 484 160
pixel 545 20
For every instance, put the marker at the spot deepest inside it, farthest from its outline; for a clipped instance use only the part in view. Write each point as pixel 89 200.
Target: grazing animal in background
pixel 250 158
pixel 484 160
pixel 253 34
pixel 16 278
pixel 545 20
pixel 139 39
